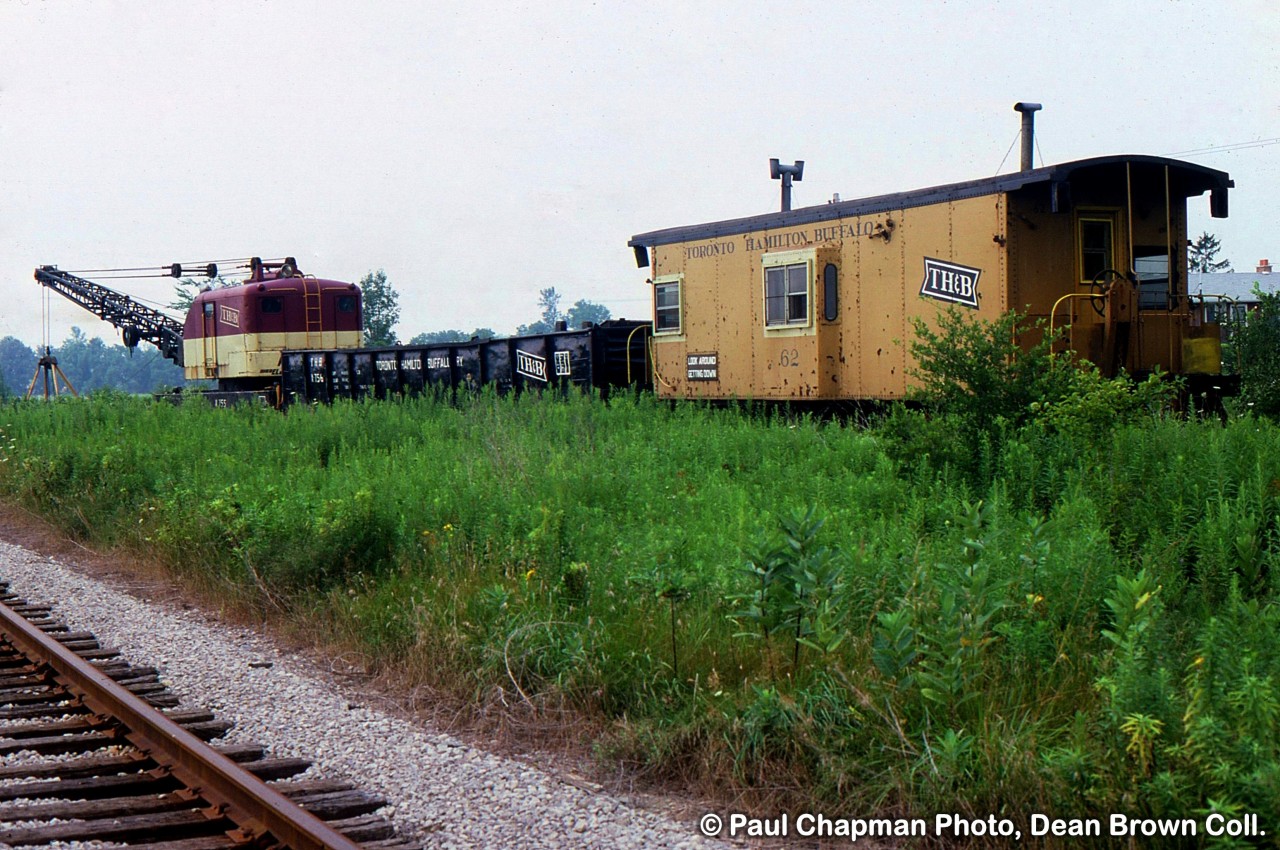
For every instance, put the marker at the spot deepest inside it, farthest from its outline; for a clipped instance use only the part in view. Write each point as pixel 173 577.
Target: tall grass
pixel 808 614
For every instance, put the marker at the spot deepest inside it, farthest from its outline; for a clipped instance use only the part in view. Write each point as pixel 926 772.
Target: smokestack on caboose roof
pixel 1028 111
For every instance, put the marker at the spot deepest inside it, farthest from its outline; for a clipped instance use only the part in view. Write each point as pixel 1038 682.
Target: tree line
pixel 381 304
pixel 89 364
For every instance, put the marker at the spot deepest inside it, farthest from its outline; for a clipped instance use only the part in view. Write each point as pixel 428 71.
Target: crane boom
pixel 135 321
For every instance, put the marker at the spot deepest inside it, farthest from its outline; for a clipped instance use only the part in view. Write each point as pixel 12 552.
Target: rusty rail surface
pixel 259 811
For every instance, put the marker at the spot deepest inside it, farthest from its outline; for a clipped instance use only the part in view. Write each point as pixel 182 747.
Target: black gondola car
pixel 602 357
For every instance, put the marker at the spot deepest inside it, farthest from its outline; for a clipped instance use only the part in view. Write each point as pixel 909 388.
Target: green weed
pixel 1064 612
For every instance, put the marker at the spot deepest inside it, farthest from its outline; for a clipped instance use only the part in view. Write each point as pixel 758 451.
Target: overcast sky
pixel 483 151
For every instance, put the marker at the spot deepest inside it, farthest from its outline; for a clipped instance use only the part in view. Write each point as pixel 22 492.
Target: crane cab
pixel 235 334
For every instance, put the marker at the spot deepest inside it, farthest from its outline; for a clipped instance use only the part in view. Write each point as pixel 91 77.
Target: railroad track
pixel 94 748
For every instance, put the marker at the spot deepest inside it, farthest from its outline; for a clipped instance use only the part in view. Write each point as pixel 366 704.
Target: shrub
pixel 1093 406
pixel 1257 344
pixel 978 370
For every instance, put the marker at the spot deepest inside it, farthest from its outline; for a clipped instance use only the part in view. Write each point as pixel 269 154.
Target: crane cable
pixel 166 271
pixel 44 319
pixel 207 268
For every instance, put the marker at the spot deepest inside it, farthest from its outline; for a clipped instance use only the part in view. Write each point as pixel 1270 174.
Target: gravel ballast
pixel 445 792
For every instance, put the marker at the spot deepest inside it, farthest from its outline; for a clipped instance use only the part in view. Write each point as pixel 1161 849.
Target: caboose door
pixel 1102 272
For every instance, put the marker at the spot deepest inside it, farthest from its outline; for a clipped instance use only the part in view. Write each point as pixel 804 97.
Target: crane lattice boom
pixel 136 322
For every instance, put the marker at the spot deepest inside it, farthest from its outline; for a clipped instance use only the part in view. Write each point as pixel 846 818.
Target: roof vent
pixel 786 173
pixel 1264 267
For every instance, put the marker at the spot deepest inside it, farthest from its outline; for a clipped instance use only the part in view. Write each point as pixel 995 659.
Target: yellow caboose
pixel 816 303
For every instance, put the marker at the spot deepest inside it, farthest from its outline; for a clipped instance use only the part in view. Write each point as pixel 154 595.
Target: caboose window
pixel 786 295
pixel 666 305
pixel 830 292
pixel 1095 248
pixel 1151 262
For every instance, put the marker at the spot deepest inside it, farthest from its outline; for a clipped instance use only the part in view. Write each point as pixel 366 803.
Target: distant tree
pixel 549 301
pixel 538 327
pixel 438 337
pixel 186 289
pixel 381 309
pixel 1202 256
pixel 90 364
pixel 81 360
pixel 586 311
pixel 17 364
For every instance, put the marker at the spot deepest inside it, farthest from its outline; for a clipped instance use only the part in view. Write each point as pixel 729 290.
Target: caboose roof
pixel 1186 180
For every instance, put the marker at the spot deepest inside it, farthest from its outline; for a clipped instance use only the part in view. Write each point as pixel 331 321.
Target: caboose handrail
pixel 654 361
pixel 1053 310
pixel 1221 296
pixel 646 351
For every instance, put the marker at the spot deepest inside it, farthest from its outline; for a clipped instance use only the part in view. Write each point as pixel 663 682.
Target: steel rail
pixel 255 807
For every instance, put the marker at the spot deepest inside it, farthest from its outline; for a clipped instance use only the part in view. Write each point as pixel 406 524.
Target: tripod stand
pixel 48 366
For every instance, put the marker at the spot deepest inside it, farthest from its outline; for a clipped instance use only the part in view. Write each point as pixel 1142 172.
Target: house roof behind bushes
pixel 1235 285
